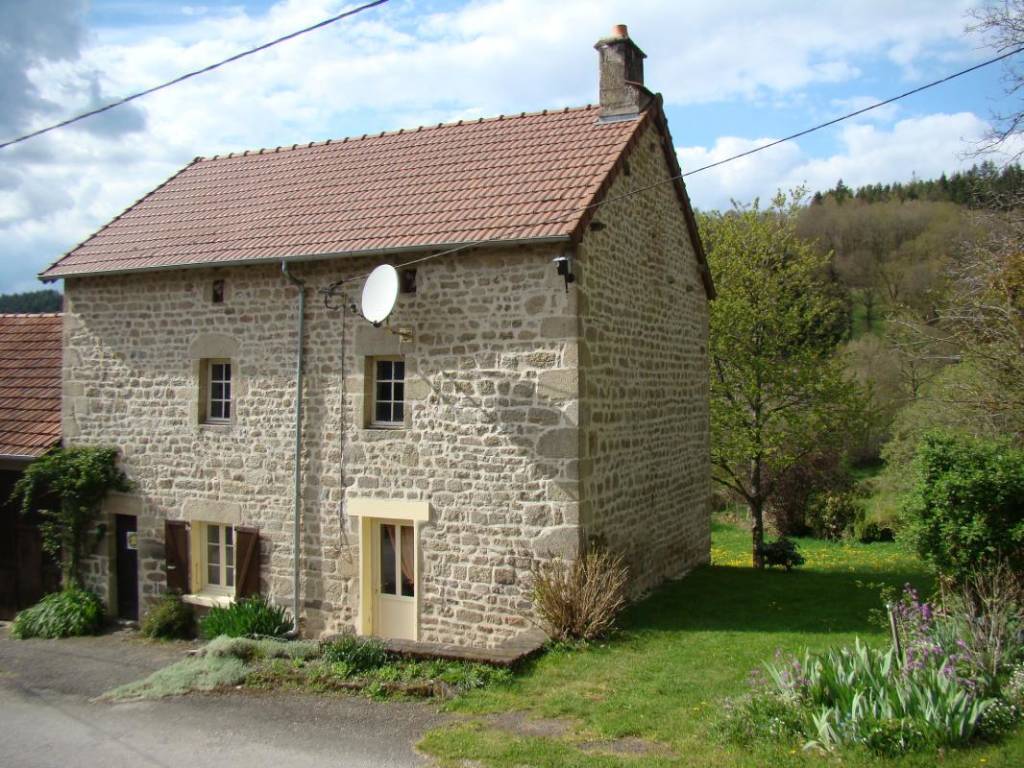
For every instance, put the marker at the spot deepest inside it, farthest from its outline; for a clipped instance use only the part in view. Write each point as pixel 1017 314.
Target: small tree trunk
pixel 757 531
pixel 72 557
pixel 69 565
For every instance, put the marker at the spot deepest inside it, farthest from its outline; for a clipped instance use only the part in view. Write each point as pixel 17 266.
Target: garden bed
pixel 345 664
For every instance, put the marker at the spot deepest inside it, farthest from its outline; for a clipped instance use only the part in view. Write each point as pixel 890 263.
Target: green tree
pixel 67 486
pixel 778 393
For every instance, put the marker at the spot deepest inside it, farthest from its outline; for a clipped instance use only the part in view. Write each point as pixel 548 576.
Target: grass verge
pixel 683 652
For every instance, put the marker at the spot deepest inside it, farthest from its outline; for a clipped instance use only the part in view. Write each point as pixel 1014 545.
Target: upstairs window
pixel 218 391
pixel 387 407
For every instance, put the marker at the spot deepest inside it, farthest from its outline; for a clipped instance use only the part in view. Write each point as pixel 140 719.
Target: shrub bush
pixel 871 532
pixel 966 510
pixel 170 619
pixel 984 617
pixel 580 600
pixel 821 474
pixel 784 552
pixel 249 617
pixel 834 515
pixel 358 654
pixel 68 613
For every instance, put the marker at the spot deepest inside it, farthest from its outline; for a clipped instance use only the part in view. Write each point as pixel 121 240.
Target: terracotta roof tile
pixel 504 178
pixel 30 383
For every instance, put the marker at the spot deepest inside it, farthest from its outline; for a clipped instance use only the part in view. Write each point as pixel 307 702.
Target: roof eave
pixel 274 260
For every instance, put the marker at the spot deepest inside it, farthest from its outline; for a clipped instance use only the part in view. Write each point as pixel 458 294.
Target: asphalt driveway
pixel 48 716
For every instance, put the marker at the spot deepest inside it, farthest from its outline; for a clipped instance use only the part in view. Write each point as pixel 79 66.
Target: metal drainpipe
pixel 297 502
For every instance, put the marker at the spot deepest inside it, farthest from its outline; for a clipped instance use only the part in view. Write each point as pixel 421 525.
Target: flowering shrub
pixel 976 628
pixel 942 688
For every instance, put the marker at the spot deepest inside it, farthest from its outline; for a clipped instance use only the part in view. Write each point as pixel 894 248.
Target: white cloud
pixel 926 146
pixel 392 68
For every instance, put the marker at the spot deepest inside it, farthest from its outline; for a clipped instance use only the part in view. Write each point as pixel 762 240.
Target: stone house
pixel 30 397
pixel 541 384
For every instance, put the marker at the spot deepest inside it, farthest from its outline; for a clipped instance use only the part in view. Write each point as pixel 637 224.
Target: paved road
pixel 47 718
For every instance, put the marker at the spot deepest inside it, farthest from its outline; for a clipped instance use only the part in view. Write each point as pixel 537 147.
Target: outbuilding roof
pixel 520 177
pixel 30 384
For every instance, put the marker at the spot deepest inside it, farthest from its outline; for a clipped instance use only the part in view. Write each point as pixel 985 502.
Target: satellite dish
pixel 380 291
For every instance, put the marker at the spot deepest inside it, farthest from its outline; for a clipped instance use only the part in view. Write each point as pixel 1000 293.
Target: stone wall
pixel 491 438
pixel 645 453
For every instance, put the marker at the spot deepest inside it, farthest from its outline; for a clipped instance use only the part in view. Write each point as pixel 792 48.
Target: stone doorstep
pixel 508 654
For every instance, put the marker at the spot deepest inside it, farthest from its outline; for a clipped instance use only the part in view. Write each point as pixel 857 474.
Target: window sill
pixel 215 426
pixel 208 600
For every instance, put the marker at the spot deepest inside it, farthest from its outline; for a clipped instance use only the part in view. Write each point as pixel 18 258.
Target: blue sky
pixel 733 76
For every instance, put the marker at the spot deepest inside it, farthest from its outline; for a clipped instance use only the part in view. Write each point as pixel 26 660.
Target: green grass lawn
pixel 684 650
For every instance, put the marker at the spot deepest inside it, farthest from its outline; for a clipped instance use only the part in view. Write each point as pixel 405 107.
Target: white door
pixel 395 585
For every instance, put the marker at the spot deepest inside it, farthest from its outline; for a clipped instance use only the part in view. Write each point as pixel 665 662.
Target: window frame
pixel 209 399
pixel 372 421
pixel 201 562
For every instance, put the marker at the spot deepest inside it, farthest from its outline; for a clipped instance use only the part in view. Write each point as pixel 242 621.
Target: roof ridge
pixel 382 134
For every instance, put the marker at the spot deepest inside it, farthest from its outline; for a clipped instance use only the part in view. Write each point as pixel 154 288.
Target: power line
pixel 639 190
pixel 818 127
pixel 193 73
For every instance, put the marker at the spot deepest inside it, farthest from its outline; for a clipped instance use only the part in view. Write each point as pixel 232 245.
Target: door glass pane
pixel 399 370
pixel 383 370
pixel 408 561
pixel 387 560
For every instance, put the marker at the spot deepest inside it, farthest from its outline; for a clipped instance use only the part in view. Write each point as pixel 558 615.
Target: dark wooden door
pixel 127 568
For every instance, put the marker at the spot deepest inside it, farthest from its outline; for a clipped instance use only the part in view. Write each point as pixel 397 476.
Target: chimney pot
pixel 620 30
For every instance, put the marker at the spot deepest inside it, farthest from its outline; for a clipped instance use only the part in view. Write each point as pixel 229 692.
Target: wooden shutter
pixel 247 562
pixel 176 553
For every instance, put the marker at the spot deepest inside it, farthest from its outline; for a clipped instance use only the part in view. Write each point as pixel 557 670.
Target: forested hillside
pixel 982 186
pixel 923 282
pixel 31 302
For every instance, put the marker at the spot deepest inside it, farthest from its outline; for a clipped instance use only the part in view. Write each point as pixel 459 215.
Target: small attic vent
pixel 407 281
pixel 217 292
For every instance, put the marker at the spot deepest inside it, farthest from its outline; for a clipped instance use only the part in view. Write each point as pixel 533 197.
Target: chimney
pixel 623 95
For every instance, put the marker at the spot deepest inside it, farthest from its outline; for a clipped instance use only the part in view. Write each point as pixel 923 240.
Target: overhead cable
pixel 639 190
pixel 194 73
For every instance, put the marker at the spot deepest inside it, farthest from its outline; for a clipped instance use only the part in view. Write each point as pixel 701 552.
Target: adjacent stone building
pixel 30 396
pixel 541 385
